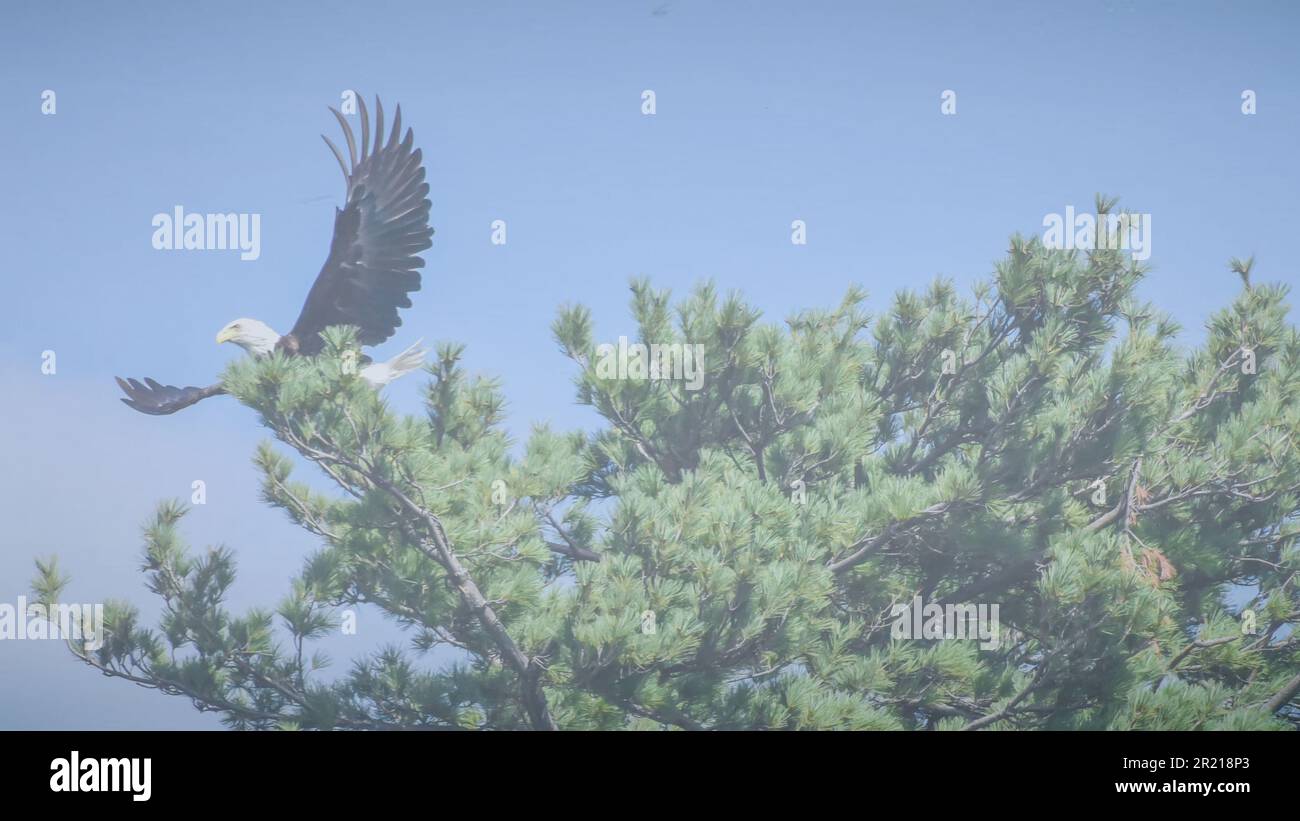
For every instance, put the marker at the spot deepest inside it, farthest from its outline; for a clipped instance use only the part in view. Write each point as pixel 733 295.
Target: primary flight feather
pixel 371 269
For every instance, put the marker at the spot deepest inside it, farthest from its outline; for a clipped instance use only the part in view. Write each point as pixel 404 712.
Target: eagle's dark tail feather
pixel 159 400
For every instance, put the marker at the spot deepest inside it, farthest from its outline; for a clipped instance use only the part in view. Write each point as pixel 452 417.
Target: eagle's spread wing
pixel 160 400
pixel 372 264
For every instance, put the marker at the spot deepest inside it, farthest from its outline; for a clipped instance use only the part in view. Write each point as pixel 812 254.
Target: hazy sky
pixel 765 113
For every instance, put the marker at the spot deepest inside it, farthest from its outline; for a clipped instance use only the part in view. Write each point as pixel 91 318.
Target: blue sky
pixel 766 113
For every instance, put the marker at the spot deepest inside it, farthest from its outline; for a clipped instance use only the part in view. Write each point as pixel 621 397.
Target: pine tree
pixel 734 556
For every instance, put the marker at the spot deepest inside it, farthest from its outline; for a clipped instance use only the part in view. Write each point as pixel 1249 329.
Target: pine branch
pixel 1284 696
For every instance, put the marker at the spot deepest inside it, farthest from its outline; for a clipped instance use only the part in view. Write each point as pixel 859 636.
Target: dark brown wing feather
pixel 159 400
pixel 373 262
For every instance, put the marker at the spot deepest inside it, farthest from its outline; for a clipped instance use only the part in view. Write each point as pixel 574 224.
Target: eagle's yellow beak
pixel 225 335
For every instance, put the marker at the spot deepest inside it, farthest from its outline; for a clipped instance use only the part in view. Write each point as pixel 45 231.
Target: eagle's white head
pixel 252 335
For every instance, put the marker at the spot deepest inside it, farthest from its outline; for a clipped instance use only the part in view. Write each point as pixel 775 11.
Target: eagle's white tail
pixel 381 373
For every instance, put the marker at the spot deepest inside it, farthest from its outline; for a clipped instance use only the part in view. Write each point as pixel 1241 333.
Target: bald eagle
pixel 371 268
